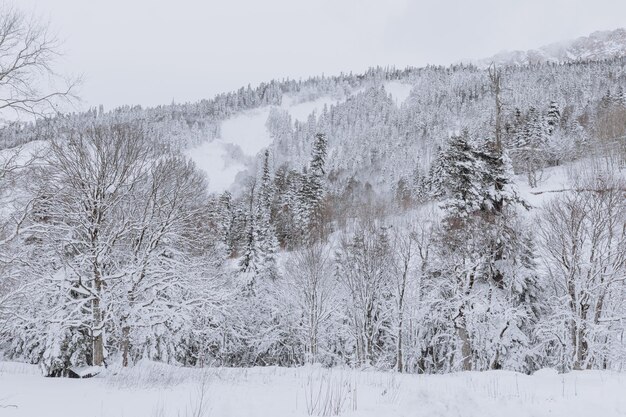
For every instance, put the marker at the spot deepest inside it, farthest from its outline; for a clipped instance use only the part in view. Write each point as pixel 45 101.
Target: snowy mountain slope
pixel 399 91
pixel 597 46
pixel 243 136
pixel 300 111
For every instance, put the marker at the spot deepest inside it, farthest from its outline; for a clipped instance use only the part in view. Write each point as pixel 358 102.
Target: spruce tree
pixel 461 174
pixel 317 171
pixel 553 117
pixel 313 189
pixel 265 233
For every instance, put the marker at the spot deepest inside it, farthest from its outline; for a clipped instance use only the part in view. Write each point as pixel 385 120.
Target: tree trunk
pixel 125 345
pixel 399 363
pixel 97 334
pixel 466 349
pixel 399 358
pixel 97 325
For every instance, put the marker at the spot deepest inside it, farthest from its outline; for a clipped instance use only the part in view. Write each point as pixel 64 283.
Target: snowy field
pixel 156 390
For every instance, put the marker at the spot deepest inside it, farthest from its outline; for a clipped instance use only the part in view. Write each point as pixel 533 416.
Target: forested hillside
pixel 426 220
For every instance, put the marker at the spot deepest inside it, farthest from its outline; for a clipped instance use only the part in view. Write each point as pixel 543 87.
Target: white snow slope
pixel 156 390
pixel 245 135
pixel 399 91
pixel 242 138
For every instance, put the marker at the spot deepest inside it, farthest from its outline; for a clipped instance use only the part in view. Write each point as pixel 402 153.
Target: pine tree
pixel 261 245
pixel 478 248
pixel 531 145
pixel 248 263
pixel 317 172
pixel 496 178
pixel 225 221
pixel 462 176
pixel 312 191
pixel 265 232
pixel 553 117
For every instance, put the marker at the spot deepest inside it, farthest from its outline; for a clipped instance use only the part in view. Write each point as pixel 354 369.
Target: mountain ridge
pixel 597 46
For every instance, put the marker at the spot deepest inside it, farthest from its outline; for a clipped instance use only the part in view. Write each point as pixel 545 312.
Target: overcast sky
pixel 151 52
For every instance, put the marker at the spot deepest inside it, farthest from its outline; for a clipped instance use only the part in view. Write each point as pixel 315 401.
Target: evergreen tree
pixel 479 247
pixel 225 221
pixel 531 145
pixel 313 190
pixel 265 233
pixel 461 174
pixel 553 117
pixel 259 255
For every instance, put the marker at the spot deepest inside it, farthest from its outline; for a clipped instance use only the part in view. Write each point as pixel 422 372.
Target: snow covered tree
pixel 477 249
pixel 364 270
pixel 159 268
pixel 92 171
pixel 583 240
pixel 531 145
pixel 310 287
pixel 553 118
pixel 313 191
pixel 261 242
pixel 404 253
pixel 265 233
pixel 461 175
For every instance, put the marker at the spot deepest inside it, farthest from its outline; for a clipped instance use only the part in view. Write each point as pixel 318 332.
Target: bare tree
pixel 364 269
pixel 29 83
pixel 404 251
pixel 584 238
pixel 89 175
pixel 309 273
pixel 159 237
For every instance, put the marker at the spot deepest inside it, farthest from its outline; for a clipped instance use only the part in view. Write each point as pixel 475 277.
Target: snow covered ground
pixel 156 390
pixel 554 181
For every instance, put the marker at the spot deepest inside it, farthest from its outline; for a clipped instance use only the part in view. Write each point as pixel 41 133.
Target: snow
pixel 152 389
pixel 23 154
pixel 556 180
pixel 87 371
pixel 242 137
pixel 552 180
pixel 248 130
pixel 398 90
pixel 301 111
pixel 215 160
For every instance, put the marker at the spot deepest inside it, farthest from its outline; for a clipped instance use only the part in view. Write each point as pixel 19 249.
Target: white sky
pixel 151 52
